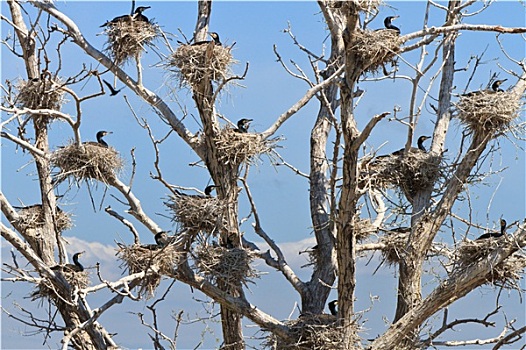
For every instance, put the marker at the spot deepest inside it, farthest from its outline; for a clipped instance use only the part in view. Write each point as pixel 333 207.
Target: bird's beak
pixel 82 252
pixel 109 132
pixel 395 17
pixel 250 120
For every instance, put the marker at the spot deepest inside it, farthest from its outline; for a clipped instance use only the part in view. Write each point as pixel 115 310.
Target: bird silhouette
pixel 113 91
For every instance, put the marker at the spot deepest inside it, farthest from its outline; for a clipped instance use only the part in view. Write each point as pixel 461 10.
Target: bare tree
pixel 412 187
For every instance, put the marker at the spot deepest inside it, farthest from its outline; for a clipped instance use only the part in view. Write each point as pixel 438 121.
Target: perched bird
pixel 332 307
pixel 495 234
pixel 401 151
pixel 215 38
pixel 75 267
pixel 208 193
pixel 161 240
pixel 496 85
pixel 35 207
pixel 100 141
pixel 138 16
pixel 389 25
pixel 209 189
pixel 243 125
pixel 113 92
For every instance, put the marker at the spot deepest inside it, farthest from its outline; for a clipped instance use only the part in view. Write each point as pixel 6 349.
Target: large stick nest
pixel 236 147
pixel 361 5
pixel 317 332
pixel 488 111
pixel 506 274
pixel 198 213
pixel 372 49
pixel 412 171
pixel 76 279
pixel 220 264
pixel 156 262
pixel 88 161
pixel 127 39
pixel 395 245
pixel 33 217
pixel 40 94
pixel 191 63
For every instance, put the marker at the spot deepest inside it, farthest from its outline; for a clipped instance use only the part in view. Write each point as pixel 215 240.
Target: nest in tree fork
pixel 40 94
pixel 127 39
pixel 155 262
pixel 204 214
pixel 236 148
pixel 488 111
pixel 412 172
pixel 77 280
pixel 220 264
pixel 318 332
pixel 88 161
pixel 395 246
pixel 372 49
pixel 33 217
pixel 191 63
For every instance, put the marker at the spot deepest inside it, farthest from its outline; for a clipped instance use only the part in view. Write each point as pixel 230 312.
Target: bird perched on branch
pixel 495 234
pixel 100 141
pixel 215 38
pixel 75 267
pixel 137 15
pixel 389 25
pixel 113 91
pixel 332 307
pixel 243 125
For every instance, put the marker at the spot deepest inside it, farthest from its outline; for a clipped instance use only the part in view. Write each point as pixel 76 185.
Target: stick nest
pixel 412 172
pixel 77 280
pixel 236 147
pixel 372 49
pixel 33 217
pixel 41 94
pixel 89 161
pixel 319 332
pixel 395 245
pixel 127 39
pixel 363 228
pixel 198 213
pixel 488 111
pixel 361 5
pixel 191 63
pixel 156 262
pixel 229 266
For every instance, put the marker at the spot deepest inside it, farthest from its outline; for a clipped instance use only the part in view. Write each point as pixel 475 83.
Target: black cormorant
pixel 243 125
pixel 496 85
pixel 100 141
pixel 215 38
pixel 75 267
pixel 138 16
pixel 208 193
pixel 209 189
pixel 113 91
pixel 495 234
pixel 161 240
pixel 332 307
pixel 389 25
pixel 420 144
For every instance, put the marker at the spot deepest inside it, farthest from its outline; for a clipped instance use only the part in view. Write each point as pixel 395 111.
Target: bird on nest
pixel 389 25
pixel 495 234
pixel 208 193
pixel 137 16
pixel 243 125
pixel 495 87
pixel 75 267
pixel 401 151
pixel 100 142
pixel 215 39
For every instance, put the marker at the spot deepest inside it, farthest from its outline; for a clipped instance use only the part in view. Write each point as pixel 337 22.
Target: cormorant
pixel 75 267
pixel 496 85
pixel 243 125
pixel 214 36
pixel 100 141
pixel 495 234
pixel 332 307
pixel 209 189
pixel 138 16
pixel 208 193
pixel 39 206
pixel 421 147
pixel 389 25
pixel 161 240
pixel 113 92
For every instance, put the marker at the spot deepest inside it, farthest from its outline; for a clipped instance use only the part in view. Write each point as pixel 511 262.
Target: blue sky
pixel 282 197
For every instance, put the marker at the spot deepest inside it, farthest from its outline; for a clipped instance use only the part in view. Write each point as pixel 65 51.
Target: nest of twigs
pixel 510 272
pixel 156 262
pixel 372 49
pixel 198 213
pixel 412 171
pixel 88 161
pixel 33 217
pixel 191 63
pixel 361 5
pixel 40 94
pixel 395 243
pixel 236 148
pixel 77 280
pixel 488 111
pixel 317 332
pixel 228 266
pixel 363 228
pixel 128 39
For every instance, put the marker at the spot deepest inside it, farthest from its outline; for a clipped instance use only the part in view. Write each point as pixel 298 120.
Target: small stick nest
pixel 236 148
pixel 510 272
pixel 372 49
pixel 198 213
pixel 191 63
pixel 488 111
pixel 137 258
pixel 361 5
pixel 89 161
pixel 40 94
pixel 363 228
pixel 395 245
pixel 127 39
pixel 318 332
pixel 412 172
pixel 77 280
pixel 33 217
pixel 230 266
